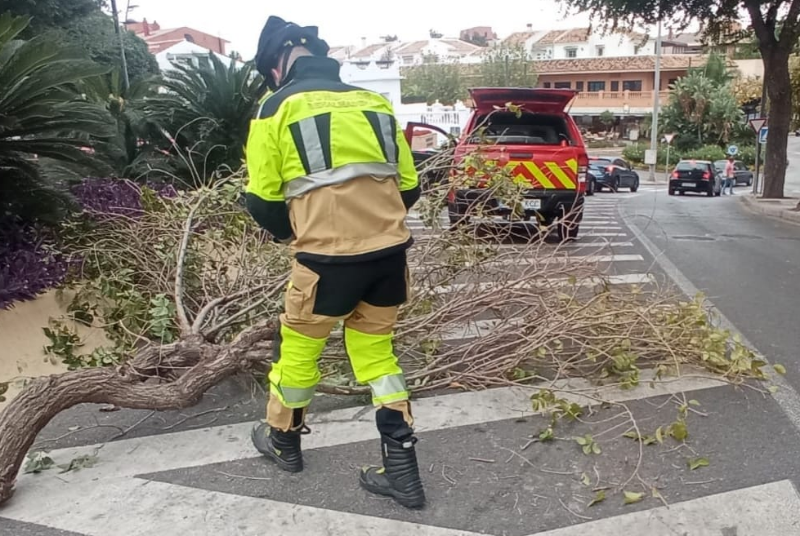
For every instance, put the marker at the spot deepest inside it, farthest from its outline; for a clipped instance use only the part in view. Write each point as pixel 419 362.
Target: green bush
pixel 634 153
pixel 747 155
pixel 707 152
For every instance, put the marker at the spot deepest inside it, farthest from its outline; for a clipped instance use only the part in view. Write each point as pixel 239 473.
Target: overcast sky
pixel 344 22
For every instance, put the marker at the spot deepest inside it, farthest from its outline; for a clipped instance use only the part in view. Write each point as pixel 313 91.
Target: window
pixel 546 85
pixel 621 163
pixel 505 128
pixel 579 86
pixel 600 50
pixel 562 85
pixel 615 85
pixel 632 85
pixel 204 62
pixel 572 52
pixel 597 86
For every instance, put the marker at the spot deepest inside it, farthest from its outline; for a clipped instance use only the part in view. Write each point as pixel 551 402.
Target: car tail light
pixel 610 169
pixel 675 175
pixel 582 178
pixel 706 176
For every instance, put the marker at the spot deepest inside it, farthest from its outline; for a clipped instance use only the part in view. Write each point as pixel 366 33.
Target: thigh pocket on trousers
pixel 302 292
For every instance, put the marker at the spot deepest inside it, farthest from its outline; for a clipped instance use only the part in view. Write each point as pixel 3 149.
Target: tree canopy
pixel 506 65
pixel 776 26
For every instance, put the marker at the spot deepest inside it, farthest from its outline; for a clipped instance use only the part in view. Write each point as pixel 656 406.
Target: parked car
pixel 540 144
pixel 743 175
pixel 611 173
pixel 697 176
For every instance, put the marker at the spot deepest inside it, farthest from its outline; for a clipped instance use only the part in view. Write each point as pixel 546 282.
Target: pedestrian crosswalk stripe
pixel 623 279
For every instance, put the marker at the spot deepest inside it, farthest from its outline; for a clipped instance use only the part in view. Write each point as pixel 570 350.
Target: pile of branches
pixel 188 290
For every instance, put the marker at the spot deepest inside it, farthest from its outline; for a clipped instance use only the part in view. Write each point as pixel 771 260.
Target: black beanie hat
pixel 279 36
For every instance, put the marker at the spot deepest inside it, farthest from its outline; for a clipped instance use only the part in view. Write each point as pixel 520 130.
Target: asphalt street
pixel 194 472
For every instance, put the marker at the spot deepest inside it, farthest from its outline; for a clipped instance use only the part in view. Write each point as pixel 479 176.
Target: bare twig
pixel 183 317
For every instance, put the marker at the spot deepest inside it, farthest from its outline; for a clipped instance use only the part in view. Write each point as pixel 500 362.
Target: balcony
pixel 621 102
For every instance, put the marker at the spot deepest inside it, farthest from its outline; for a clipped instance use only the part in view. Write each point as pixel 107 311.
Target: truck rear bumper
pixel 542 206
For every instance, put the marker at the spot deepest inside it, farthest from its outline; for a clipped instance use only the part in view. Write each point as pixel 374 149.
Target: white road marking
pixel 601 227
pixel 107 499
pixel 765 510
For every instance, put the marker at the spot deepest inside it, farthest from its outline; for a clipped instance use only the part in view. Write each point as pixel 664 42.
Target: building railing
pixel 631 98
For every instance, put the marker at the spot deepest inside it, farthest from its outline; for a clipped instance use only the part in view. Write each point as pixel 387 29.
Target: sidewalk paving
pixel 784 209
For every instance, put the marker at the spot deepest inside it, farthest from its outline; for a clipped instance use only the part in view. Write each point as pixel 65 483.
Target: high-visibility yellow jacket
pixel 329 166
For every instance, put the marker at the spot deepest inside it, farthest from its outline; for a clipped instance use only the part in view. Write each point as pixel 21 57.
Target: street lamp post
pixel 656 103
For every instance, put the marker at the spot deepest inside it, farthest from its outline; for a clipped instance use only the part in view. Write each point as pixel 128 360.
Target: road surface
pixel 195 472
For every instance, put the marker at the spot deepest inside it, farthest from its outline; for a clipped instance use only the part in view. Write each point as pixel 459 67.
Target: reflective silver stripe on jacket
pixel 303 185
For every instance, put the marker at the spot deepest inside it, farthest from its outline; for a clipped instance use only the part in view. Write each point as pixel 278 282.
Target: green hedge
pixel 635 154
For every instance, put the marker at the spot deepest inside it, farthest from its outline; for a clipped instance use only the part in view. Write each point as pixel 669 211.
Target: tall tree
pixel 506 65
pixel 776 25
pixel 49 14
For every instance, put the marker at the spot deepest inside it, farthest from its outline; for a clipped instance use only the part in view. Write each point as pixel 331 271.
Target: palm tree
pixel 204 114
pixel 47 130
pixel 128 149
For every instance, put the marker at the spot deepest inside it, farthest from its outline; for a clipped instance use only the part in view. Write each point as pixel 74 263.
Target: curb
pixel 790 216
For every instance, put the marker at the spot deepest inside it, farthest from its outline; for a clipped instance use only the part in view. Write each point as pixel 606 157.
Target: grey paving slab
pixel 9 527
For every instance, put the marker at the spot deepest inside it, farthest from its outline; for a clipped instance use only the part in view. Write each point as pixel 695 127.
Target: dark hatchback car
pixel 742 174
pixel 611 173
pixel 698 176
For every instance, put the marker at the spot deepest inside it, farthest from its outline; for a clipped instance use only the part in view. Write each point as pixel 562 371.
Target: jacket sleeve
pixel 264 193
pixel 409 180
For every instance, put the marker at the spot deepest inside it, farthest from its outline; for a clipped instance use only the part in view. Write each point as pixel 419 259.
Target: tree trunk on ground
pixel 776 73
pixel 159 378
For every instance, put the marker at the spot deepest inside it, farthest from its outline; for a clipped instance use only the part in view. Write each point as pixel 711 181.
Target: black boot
pixel 399 476
pixel 283 448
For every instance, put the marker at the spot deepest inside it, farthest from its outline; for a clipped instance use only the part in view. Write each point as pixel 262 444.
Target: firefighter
pixel 332 176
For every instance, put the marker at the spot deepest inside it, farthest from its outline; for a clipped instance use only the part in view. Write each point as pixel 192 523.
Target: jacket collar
pixel 307 67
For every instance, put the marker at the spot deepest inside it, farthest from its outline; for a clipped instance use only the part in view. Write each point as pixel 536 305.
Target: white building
pixel 186 53
pixel 580 43
pixel 410 53
pixel 380 77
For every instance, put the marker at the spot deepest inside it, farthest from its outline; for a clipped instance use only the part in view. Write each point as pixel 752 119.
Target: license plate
pixel 688 184
pixel 531 204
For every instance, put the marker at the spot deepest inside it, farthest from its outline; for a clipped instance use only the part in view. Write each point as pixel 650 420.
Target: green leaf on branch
pixel 599 497
pixel 678 430
pixel 632 497
pixel 38 462
pixel 78 463
pixel 698 462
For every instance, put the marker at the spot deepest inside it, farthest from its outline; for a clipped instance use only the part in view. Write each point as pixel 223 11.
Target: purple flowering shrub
pixel 31 261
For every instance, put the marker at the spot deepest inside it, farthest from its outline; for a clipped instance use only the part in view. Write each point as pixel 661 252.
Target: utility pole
pixel 125 81
pixel 656 103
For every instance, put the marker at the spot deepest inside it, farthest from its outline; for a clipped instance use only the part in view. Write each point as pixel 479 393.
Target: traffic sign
pixel 762 135
pixel 756 124
pixel 669 137
pixel 733 150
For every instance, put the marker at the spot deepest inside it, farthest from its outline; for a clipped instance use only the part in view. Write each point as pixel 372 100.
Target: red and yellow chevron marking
pixel 550 175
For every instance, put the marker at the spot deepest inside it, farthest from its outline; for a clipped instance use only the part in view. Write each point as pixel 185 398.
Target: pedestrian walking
pixel 332 176
pixel 730 175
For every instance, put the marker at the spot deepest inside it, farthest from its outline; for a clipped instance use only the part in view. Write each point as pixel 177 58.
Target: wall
pixel 750 67
pixel 380 78
pixel 187 50
pixel 614 45
pixel 647 79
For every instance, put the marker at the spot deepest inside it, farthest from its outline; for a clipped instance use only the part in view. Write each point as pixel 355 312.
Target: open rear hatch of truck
pixel 537 143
